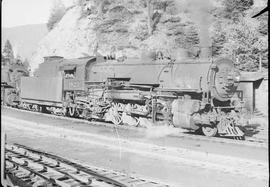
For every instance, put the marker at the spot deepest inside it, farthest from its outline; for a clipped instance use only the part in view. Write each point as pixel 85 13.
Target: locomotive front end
pixel 207 98
pixel 223 79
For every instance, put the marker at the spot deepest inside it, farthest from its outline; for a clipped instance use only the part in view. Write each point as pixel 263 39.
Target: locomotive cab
pixel 74 73
pixel 70 73
pixel 175 91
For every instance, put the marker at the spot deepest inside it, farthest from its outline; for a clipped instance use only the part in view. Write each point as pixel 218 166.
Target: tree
pixel 149 16
pixel 100 6
pixel 238 35
pixel 153 14
pixel 18 60
pixel 8 55
pixel 244 41
pixel 26 63
pixel 236 8
pixel 57 12
pixel 218 38
pixel 2 60
pixel 80 3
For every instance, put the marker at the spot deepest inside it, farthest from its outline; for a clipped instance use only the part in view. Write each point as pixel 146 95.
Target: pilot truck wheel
pixel 209 131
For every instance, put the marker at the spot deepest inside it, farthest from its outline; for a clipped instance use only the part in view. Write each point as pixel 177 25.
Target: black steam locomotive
pixel 194 94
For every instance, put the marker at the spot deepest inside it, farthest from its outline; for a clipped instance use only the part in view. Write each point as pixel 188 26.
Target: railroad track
pixel 30 167
pixel 249 141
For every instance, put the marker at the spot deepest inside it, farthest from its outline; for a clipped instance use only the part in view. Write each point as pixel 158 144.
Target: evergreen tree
pixel 100 6
pixel 234 9
pixel 2 60
pixel 8 55
pixel 218 38
pixel 80 3
pixel 239 36
pixel 57 12
pixel 26 63
pixel 149 16
pixel 18 60
pixel 244 41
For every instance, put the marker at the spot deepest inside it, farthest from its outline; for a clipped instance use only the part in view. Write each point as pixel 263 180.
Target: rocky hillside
pixel 120 27
pixel 133 27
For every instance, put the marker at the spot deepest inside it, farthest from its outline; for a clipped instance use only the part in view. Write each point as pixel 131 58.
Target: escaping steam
pixel 158 129
pixel 200 14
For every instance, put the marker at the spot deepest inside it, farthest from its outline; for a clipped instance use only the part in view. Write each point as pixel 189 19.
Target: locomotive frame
pixel 187 93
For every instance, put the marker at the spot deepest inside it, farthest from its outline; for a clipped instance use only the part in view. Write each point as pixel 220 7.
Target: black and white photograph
pixel 134 93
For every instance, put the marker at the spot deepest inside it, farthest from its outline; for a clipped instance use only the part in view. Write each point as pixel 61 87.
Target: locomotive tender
pixel 194 94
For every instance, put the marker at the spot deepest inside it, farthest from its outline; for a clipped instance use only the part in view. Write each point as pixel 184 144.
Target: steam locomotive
pixel 194 94
pixel 10 82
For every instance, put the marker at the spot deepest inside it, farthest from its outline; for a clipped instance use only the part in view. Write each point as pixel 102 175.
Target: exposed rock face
pixel 118 27
pixel 77 35
pixel 70 38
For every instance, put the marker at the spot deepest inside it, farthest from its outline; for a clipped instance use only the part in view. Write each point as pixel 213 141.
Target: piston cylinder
pixel 182 113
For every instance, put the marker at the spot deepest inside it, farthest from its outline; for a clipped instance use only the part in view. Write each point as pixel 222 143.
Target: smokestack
pixel 181 54
pixel 200 14
pixel 205 53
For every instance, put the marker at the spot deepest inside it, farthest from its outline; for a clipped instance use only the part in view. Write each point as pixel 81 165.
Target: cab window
pixel 69 74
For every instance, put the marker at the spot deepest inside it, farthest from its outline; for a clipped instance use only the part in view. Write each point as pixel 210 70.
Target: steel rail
pixel 48 166
pixel 61 171
pixel 49 180
pixel 70 163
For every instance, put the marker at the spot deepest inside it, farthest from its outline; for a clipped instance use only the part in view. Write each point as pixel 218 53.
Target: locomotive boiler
pixel 194 94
